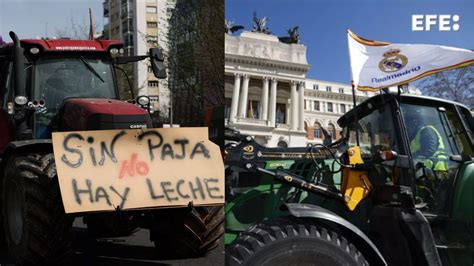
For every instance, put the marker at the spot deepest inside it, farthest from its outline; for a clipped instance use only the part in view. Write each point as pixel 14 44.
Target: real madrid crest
pixel 392 61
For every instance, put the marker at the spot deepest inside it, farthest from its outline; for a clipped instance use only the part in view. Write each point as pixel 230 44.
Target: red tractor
pixel 51 86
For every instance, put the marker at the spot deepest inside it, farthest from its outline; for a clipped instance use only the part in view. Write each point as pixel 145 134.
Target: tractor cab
pixel 66 85
pixel 430 138
pixel 424 146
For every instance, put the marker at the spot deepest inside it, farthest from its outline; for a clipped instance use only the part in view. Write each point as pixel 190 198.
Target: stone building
pixel 141 25
pixel 267 94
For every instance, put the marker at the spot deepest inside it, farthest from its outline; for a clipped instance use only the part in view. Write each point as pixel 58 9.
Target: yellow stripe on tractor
pixel 355 184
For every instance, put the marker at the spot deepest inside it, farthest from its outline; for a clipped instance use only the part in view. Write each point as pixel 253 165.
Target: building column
pixel 301 106
pixel 264 101
pixel 273 100
pixel 235 98
pixel 244 96
pixel 294 106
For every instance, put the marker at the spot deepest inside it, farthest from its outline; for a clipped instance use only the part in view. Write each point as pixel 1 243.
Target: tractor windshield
pixel 376 132
pixel 59 78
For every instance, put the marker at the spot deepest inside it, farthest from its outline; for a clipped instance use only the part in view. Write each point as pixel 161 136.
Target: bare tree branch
pixel 456 85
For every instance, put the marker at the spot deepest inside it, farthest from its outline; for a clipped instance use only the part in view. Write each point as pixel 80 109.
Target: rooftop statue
pixel 259 25
pixel 294 36
pixel 230 28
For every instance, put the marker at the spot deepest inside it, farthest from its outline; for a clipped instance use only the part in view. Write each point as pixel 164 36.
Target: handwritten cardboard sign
pixel 137 168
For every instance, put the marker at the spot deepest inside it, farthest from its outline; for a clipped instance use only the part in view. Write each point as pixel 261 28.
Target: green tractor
pixel 395 189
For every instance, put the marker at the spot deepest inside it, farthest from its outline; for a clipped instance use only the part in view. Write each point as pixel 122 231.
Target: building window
pixel 317 131
pixel 253 109
pixel 343 108
pixel 366 93
pixel 280 113
pixel 341 90
pixel 328 88
pixel 151 25
pixel 153 83
pixel 332 131
pixel 151 9
pixel 282 144
pixel 128 40
pixel 150 70
pixel 315 87
pixel 305 105
pixel 330 107
pixel 316 105
pixel 152 39
pixel 153 98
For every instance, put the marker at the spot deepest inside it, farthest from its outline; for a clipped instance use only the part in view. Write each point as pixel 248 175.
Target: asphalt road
pixel 133 250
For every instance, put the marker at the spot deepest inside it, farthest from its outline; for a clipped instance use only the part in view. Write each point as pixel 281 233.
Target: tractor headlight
pixel 114 51
pixel 143 100
pixel 34 50
pixel 21 100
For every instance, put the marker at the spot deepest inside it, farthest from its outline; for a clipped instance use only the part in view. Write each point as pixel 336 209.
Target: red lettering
pixel 132 166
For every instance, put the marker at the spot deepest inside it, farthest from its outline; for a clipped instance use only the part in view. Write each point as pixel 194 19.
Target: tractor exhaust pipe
pixel 18 61
pixel 19 80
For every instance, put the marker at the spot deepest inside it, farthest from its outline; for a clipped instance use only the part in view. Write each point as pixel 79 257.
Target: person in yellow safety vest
pixel 428 147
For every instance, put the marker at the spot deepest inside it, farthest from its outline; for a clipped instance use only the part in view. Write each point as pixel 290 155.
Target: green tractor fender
pixel 462 208
pixel 357 237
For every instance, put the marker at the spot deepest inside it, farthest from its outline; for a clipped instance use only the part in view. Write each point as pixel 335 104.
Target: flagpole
pixel 353 91
pixel 354 102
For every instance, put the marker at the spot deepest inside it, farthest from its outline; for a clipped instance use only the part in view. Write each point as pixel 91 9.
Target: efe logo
pixel 445 22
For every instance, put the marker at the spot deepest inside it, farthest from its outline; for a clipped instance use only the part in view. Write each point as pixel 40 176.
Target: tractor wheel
pixel 185 233
pixel 37 230
pixel 292 241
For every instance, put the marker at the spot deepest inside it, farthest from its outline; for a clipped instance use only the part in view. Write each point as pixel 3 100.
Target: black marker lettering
pixel 152 146
pixel 92 153
pixel 200 148
pixel 210 189
pixel 152 193
pixel 123 197
pixel 111 152
pixel 167 150
pixel 72 150
pixel 78 191
pixel 168 190
pixel 178 189
pixel 197 189
pixel 183 143
pixel 101 193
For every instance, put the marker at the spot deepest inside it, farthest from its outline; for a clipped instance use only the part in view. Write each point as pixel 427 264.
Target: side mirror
pixel 157 63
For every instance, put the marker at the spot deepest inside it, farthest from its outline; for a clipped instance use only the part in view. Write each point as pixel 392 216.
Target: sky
pixel 38 18
pixel 323 24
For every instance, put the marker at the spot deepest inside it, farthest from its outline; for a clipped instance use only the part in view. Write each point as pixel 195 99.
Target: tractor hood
pixel 98 114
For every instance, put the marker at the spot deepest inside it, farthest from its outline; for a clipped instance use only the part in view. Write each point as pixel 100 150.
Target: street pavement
pixel 133 250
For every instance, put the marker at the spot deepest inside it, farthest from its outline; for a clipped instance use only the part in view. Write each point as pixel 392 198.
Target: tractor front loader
pixel 70 147
pixel 370 198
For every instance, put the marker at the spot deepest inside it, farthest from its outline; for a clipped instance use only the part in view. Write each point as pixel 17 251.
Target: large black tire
pixel 292 241
pixel 187 233
pixel 37 230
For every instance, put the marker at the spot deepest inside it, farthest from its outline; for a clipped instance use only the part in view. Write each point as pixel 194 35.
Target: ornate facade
pixel 268 95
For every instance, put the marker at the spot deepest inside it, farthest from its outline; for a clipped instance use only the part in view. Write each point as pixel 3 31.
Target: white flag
pixel 376 65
